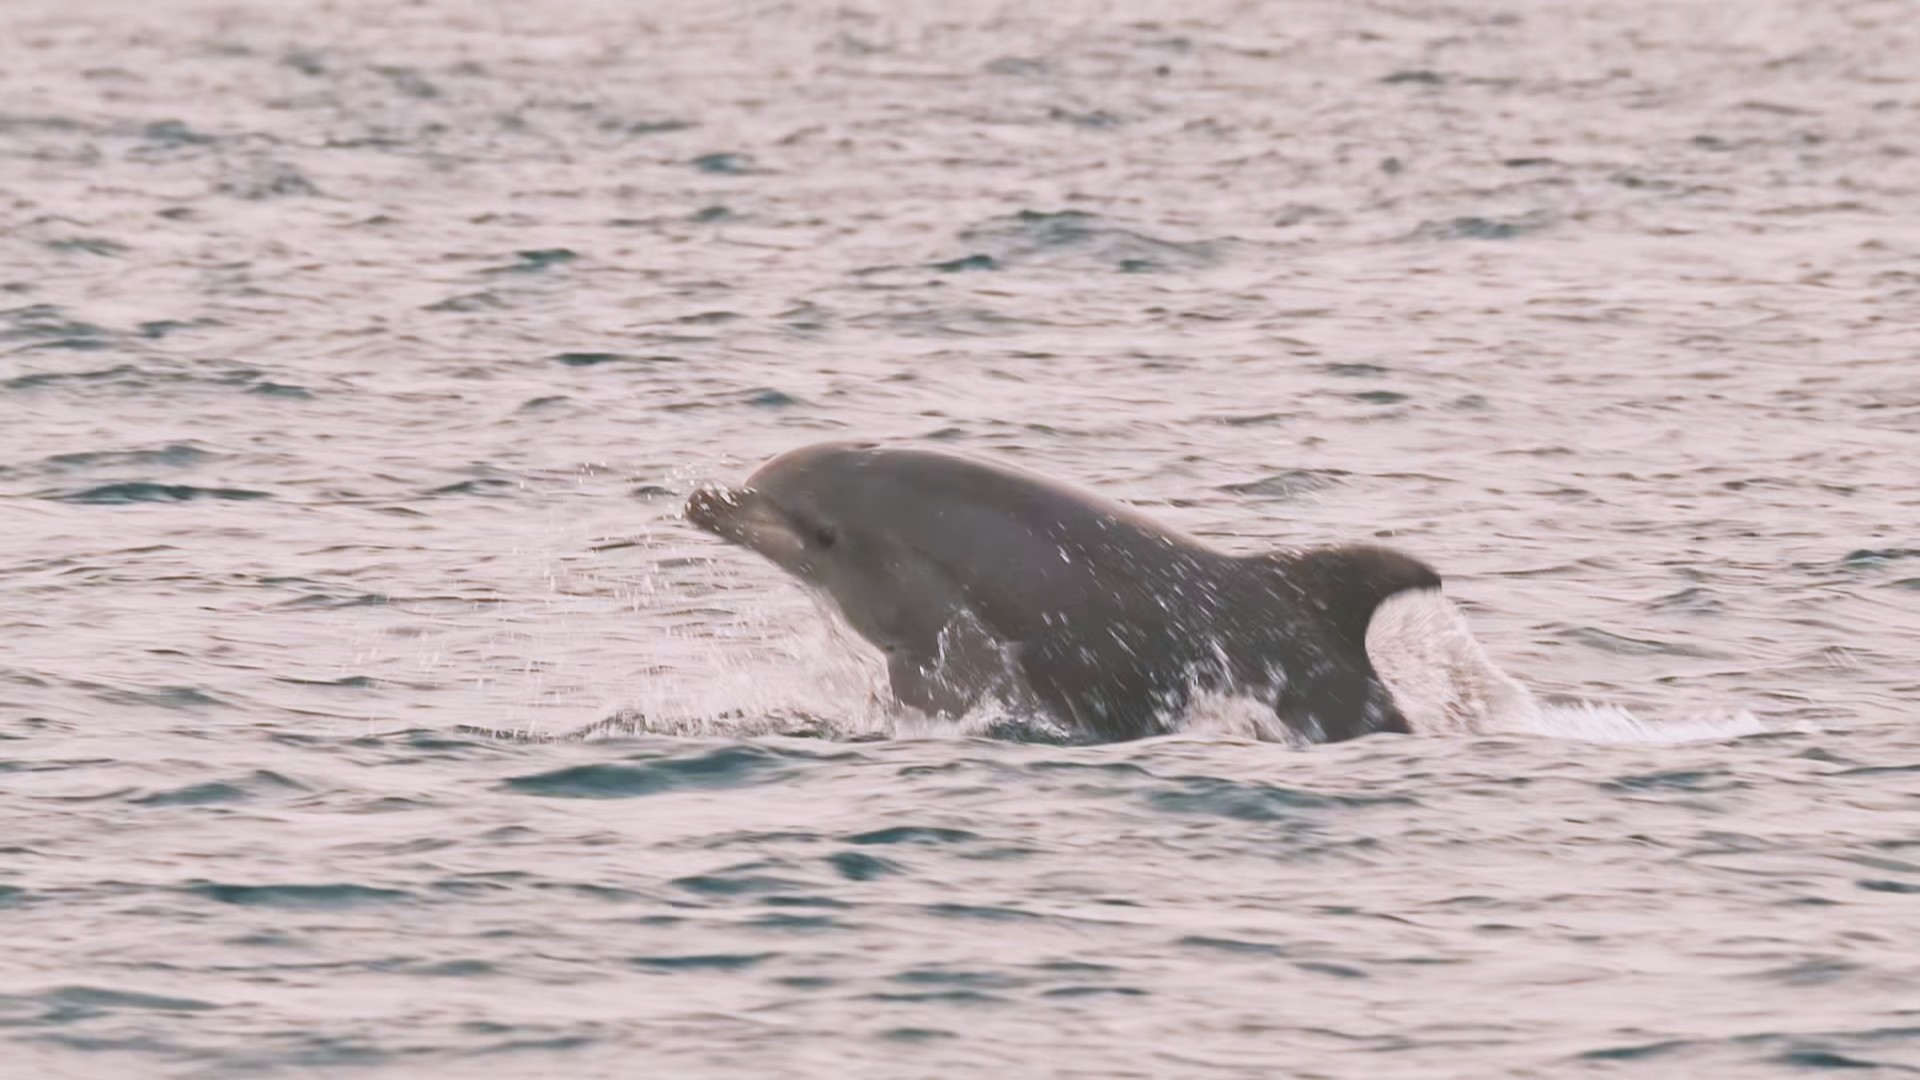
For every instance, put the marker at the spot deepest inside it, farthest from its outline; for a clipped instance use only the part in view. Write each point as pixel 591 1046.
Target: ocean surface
pixel 367 710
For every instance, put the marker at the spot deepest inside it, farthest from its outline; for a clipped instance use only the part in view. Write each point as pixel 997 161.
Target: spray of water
pixel 1445 684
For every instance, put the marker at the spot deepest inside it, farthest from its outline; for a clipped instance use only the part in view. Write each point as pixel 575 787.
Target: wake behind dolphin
pixel 983 583
pixel 1445 684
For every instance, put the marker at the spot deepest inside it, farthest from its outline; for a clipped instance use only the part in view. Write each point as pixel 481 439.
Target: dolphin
pixel 983 582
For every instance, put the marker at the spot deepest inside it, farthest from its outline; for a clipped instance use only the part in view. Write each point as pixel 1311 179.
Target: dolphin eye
pixel 825 536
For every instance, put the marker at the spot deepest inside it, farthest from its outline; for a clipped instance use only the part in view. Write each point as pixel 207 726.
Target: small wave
pixel 140 491
pixel 319 896
pixel 736 766
pixel 1076 239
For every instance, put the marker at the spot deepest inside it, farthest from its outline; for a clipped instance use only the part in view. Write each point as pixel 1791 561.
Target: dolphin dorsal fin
pixel 1345 583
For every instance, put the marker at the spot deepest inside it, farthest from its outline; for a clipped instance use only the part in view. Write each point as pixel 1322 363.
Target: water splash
pixel 1445 684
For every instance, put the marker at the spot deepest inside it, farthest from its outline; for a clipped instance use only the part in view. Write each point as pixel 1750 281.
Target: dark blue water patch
pixel 1635 1053
pixel 1258 802
pixel 485 485
pixel 826 902
pixel 13 123
pixel 1873 558
pixel 1697 600
pixel 350 682
pixel 728 767
pixel 780 920
pixel 915 1035
pixel 1290 484
pixel 554 1044
pixel 701 962
pixel 725 164
pixel 1230 945
pixel 1415 77
pixel 12 896
pixel 97 1044
pixel 1355 371
pixel 1481 228
pixel 857 866
pixel 1902 888
pixel 1075 967
pixel 288 391
pixel 141 491
pixel 733 884
pixel 70 1003
pixel 266 939
pixel 410 82
pixel 537 260
pixel 983 912
pixel 983 980
pixel 304 897
pixel 1380 397
pixel 88 245
pixel 468 303
pixel 1338 971
pixel 1825 1059
pixel 914 834
pixel 807 982
pixel 966 263
pixel 262 180
pixel 1079 238
pixel 305 61
pixel 1096 119
pixel 448 969
pixel 1123 769
pixel 1677 780
pixel 648 127
pixel 73 344
pixel 1093 991
pixel 434 741
pixel 1622 645
pixel 174 455
pixel 1819 971
pixel 1878 770
pixel 473 885
pixel 165 697
pixel 216 792
pixel 940 997
pixel 324 600
pixel 301 1051
pixel 45 322
pixel 771 399
pixel 176 133
pixel 589 359
pixel 708 214
pixel 710 318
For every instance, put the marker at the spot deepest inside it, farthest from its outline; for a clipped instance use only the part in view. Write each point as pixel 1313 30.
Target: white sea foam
pixel 1445 683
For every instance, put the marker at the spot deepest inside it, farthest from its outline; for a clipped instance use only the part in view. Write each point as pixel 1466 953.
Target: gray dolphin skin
pixel 979 580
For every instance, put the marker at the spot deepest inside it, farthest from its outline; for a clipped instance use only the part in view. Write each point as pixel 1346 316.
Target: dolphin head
pixel 790 511
pixel 821 516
